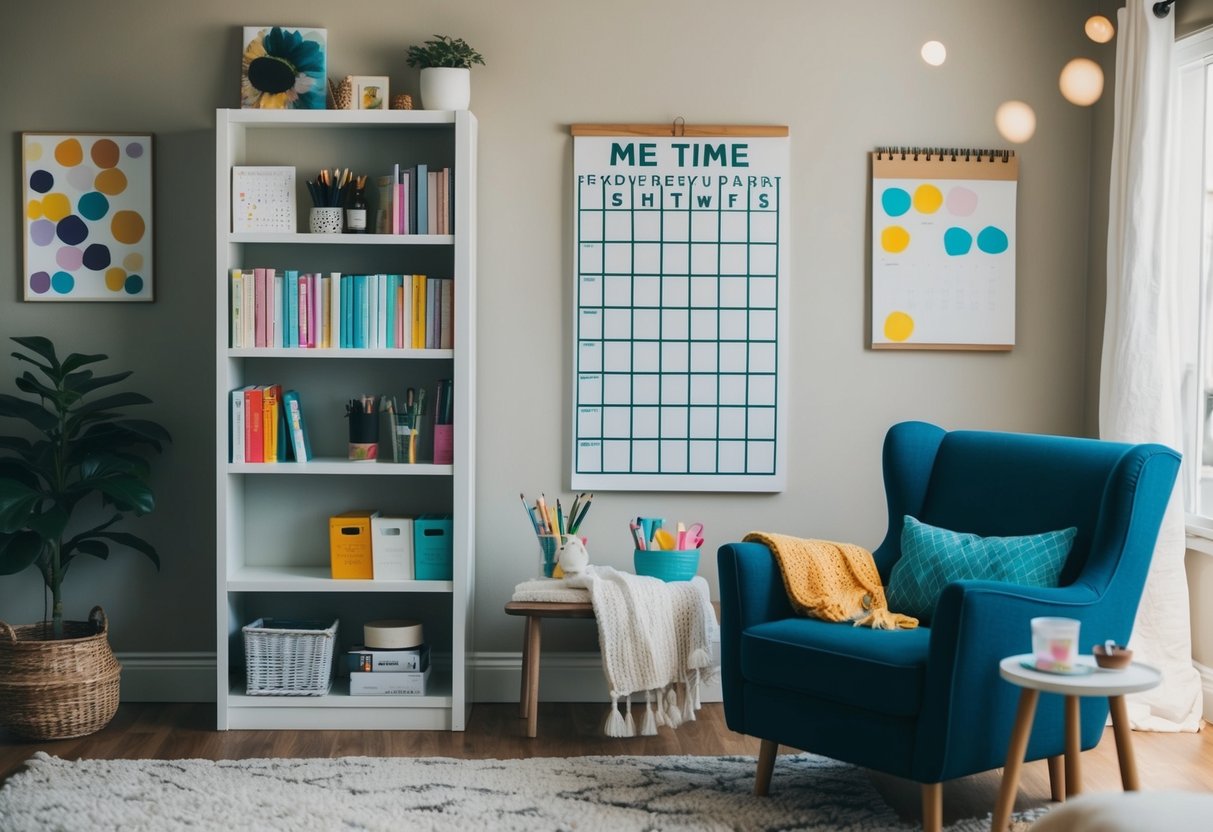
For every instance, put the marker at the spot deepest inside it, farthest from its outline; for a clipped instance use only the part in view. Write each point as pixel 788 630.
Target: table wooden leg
pixel 1122 731
pixel 1057 778
pixel 1015 752
pixel 532 649
pixel 1073 747
pixel 524 696
pixel 767 752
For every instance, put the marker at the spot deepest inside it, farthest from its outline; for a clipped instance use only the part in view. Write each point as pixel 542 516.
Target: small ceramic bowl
pixel 1117 657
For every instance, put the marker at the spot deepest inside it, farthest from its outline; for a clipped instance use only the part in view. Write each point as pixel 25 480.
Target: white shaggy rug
pixel 587 794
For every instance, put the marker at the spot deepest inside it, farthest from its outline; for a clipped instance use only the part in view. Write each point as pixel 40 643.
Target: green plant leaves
pixel 35 414
pixel 19 551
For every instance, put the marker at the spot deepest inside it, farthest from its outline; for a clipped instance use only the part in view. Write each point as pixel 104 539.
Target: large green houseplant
pixel 73 448
pixel 445 64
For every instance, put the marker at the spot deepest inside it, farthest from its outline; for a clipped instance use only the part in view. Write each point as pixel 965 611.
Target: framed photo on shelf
pixel 370 92
pixel 86 202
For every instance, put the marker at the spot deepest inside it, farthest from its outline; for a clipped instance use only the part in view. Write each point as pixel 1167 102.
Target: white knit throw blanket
pixel 655 637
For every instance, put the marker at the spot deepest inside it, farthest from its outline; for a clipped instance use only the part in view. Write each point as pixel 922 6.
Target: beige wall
pixel 844 77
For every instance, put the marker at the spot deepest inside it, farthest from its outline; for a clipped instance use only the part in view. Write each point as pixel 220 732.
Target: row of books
pixel 415 200
pixel 388 672
pixel 267 425
pixel 287 308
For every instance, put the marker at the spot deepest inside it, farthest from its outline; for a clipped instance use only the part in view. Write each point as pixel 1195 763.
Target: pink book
pixel 261 307
pixel 314 309
pixel 305 317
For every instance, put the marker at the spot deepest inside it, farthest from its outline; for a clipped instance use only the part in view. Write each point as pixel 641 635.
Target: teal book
pixel 347 311
pixel 393 280
pixel 421 192
pixel 296 427
pixel 362 308
pixel 290 337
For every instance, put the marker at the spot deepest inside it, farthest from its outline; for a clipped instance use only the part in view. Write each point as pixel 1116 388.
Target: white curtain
pixel 1139 396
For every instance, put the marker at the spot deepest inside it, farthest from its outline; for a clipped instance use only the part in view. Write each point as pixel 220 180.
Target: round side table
pixel 1113 684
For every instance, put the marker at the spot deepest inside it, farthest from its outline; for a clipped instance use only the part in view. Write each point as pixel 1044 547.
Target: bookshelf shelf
pixel 346 239
pixel 272 526
pixel 345 467
pixel 316 579
pixel 274 352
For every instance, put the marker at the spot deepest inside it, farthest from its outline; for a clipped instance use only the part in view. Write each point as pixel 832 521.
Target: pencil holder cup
pixel 444 438
pixel 405 438
pixel 549 551
pixel 364 435
pixel 326 220
pixel 666 564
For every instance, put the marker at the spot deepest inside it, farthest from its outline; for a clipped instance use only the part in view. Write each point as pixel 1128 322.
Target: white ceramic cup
pixel 1055 643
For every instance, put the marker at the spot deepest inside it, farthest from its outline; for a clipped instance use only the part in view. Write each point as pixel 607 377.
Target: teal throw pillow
pixel 931 558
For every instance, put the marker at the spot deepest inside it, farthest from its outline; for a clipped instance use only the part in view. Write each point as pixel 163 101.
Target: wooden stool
pixel 535 611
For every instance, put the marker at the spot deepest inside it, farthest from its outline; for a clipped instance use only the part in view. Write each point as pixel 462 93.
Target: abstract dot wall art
pixel 943 249
pixel 87 211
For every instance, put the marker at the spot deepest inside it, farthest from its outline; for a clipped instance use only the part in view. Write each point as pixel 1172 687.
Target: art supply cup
pixel 405 438
pixel 326 220
pixel 444 439
pixel 1055 644
pixel 364 436
pixel 549 551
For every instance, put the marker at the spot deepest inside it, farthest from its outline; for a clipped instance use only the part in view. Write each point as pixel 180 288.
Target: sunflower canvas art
pixel 283 68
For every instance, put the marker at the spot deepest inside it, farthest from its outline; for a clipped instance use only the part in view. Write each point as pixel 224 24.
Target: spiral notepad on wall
pixel 943 248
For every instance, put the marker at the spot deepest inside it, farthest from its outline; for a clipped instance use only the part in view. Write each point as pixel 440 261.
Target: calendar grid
pixel 679 311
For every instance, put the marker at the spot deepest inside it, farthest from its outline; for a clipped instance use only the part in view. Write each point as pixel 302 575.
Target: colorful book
pixel 269 421
pixel 347 310
pixel 259 307
pixel 418 312
pixel 279 321
pixel 431 313
pixel 446 325
pixel 235 305
pixel 334 310
pixel 291 300
pixel 250 312
pixel 301 445
pixel 420 199
pixel 362 659
pixel 432 203
pixel 237 425
pixel 254 440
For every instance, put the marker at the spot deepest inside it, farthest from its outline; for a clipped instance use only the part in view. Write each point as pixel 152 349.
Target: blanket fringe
pixel 615 726
pixel 648 727
pixel 882 619
pixel 672 713
pixel 629 724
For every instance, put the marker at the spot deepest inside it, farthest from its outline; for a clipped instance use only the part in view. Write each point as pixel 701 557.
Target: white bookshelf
pixel 272 518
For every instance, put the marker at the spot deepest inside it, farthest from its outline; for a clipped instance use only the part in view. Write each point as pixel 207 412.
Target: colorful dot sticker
pixel 115 279
pixel 55 206
pixel 133 261
pixel 127 227
pixel 68 153
pixel 961 201
pixel 992 240
pixel 93 206
pixel 63 283
pixel 40 283
pixel 894 239
pixel 69 258
pixel 927 199
pixel 898 326
pixel 895 201
pixel 41 181
pixel 110 181
pixel 71 230
pixel 104 153
pixel 96 257
pixel 957 241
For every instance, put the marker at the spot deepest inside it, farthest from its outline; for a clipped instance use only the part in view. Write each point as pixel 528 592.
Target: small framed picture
pixel 370 92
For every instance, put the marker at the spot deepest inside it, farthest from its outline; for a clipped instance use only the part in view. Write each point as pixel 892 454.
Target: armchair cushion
pixel 876 670
pixel 932 558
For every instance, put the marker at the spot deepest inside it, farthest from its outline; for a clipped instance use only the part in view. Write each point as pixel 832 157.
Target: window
pixel 1194 239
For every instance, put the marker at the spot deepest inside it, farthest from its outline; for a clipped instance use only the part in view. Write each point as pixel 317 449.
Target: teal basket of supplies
pixel 666 564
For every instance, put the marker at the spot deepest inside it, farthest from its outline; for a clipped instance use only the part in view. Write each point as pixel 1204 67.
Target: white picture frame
pixel 371 92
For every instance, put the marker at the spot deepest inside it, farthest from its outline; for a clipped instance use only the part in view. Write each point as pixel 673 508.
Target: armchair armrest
pixel 751 591
pixel 967 711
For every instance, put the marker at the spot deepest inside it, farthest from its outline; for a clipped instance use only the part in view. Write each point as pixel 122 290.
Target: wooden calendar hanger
pixel 679 128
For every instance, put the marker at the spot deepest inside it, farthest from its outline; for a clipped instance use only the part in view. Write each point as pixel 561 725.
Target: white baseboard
pixel 496 677
pixel 1206 686
pixel 167 677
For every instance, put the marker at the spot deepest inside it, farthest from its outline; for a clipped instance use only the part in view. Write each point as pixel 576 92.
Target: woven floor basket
pixel 52 689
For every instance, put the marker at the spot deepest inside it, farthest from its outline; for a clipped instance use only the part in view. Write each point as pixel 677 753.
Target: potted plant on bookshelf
pixel 74 465
pixel 446 78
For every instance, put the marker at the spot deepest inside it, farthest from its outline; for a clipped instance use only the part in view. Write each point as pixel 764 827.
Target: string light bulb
pixel 1081 82
pixel 1015 120
pixel 1099 28
pixel 934 53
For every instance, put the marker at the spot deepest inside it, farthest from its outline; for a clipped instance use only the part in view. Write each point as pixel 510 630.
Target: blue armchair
pixel 928 704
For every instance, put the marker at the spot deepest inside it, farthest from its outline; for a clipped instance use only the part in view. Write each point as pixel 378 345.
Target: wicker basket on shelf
pixel 52 689
pixel 289 658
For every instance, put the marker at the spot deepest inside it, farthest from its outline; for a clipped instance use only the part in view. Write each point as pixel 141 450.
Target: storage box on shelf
pixel 272 517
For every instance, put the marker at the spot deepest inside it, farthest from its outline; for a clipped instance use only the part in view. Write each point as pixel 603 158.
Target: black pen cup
pixel 364 435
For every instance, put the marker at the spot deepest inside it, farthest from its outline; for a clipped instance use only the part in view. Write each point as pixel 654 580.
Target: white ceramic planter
pixel 446 88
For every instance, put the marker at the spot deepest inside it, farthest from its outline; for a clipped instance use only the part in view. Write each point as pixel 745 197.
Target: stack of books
pixel 267 425
pixel 287 308
pixel 415 200
pixel 375 672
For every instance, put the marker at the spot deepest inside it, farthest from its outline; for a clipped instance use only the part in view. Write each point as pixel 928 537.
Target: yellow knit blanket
pixel 832 581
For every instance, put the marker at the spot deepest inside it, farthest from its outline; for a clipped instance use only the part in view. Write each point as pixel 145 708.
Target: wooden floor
pixel 176 731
